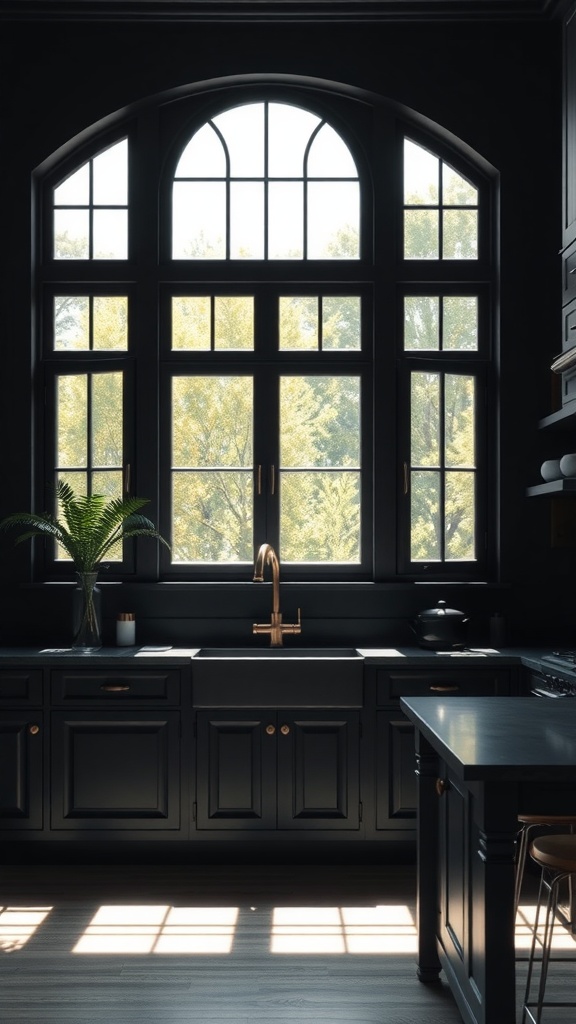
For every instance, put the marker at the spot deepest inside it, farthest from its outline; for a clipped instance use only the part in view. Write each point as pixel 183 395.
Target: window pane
pixel 460 230
pixel 107 419
pixel 460 328
pixel 71 322
pixel 333 219
pixel 299 322
pixel 425 525
pixel 425 419
pixel 320 517
pixel 246 220
pixel 285 220
pixel 212 422
pixel 234 322
pixel 421 235
pixel 203 157
pixel 243 131
pixel 110 328
pixel 329 157
pixel 72 420
pixel 71 234
pixel 289 131
pixel 110 170
pixel 75 190
pixel 109 483
pixel 319 421
pixel 212 517
pixel 421 175
pixel 341 328
pixel 459 517
pixel 421 322
pixel 191 322
pixel 456 191
pixel 459 420
pixel 199 220
pixel 110 234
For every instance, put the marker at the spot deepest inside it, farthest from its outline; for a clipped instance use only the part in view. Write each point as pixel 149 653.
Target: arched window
pixel 291 343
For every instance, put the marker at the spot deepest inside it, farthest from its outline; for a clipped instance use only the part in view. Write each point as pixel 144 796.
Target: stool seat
pixel 547 819
pixel 529 823
pixel 558 853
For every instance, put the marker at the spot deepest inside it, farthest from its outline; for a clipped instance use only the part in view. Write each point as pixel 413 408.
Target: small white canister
pixel 125 629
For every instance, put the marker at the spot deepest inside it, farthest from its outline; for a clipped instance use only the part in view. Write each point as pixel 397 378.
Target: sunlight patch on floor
pixel 160 929
pixel 18 924
pixel 561 939
pixel 332 930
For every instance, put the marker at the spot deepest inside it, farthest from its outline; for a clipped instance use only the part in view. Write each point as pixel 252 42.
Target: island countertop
pixel 498 737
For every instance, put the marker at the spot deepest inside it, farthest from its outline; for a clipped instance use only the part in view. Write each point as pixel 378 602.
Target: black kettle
pixel 441 628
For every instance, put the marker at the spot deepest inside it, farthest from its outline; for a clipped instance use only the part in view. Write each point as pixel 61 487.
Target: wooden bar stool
pixel 556 857
pixel 529 823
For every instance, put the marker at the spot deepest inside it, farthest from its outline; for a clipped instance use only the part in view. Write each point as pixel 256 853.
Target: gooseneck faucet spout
pixel 276 628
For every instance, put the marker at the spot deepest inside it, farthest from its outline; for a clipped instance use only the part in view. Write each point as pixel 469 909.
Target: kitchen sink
pixel 278 652
pixel 277 677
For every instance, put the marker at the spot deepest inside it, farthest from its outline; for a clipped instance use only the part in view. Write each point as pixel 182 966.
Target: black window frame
pixel 156 136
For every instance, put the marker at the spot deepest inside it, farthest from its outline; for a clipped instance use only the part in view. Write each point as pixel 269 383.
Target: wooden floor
pixel 213 945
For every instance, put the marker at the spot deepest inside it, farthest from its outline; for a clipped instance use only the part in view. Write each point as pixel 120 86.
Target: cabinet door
pixel 318 772
pixel 115 770
pixel 236 770
pixel 21 741
pixel 396 799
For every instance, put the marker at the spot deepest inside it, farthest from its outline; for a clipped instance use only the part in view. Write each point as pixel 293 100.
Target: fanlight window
pixel 266 181
pixel 91 209
pixel 440 209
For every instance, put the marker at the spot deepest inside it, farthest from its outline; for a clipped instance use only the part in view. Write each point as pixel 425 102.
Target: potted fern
pixel 89 527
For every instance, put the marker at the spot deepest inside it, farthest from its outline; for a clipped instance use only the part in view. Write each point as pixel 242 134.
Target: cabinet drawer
pixel 569 316
pixel 390 686
pixel 79 685
pixel 20 686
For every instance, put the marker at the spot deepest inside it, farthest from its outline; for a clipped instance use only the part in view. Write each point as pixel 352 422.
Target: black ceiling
pixel 280 10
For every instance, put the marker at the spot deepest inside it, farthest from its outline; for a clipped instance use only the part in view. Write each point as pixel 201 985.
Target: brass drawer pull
pixel 34 730
pixel 114 687
pixel 270 729
pixel 445 689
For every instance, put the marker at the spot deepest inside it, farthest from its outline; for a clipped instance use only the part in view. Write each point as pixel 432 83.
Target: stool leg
pixel 520 865
pixel 532 950
pixel 551 907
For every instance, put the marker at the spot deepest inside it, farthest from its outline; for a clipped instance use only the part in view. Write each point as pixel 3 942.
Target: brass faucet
pixel 267 556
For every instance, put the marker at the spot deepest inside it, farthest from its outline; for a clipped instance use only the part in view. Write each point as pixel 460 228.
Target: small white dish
pixel 551 469
pixel 568 465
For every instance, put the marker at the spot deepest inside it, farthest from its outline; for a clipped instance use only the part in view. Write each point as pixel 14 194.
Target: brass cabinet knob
pixel 34 730
pixel 284 729
pixel 270 729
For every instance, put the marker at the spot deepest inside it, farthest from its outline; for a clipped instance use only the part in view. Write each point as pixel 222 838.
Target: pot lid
pixel 441 611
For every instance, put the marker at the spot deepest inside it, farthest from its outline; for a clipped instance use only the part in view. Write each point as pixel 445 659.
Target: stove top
pixel 563 659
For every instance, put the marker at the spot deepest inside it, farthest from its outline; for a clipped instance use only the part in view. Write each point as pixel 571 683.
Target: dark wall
pixel 497 88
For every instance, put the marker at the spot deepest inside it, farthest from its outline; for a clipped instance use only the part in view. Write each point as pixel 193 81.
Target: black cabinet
pixel 395 781
pixel 266 770
pixel 21 749
pixel 115 750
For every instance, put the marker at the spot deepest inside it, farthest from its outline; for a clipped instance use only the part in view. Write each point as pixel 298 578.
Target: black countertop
pixel 387 657
pixel 501 738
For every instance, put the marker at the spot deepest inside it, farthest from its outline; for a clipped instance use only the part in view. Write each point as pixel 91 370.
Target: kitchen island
pixel 479 763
